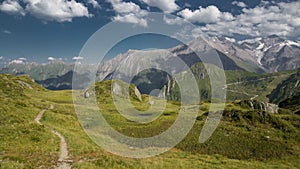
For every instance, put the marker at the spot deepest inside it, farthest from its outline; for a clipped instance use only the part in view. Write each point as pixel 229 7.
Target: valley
pixel 41 126
pixel 245 137
pixel 149 84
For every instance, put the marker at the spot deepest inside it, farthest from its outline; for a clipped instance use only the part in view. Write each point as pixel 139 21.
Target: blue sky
pixel 38 30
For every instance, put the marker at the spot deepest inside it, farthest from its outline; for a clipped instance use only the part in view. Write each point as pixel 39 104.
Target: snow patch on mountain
pixel 261 46
pixel 290 43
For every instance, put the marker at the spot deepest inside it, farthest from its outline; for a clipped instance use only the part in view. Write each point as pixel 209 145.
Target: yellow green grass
pixel 25 144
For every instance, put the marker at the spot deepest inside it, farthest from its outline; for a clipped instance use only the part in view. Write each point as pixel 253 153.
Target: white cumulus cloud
pixel 173 21
pixel 51 58
pixel 167 6
pixel 129 12
pixel 131 18
pixel 49 10
pixel 210 14
pixel 6 31
pixel 77 58
pixel 94 3
pixel 56 10
pixel 12 7
pixel 282 19
pixel 239 3
pixel 23 59
pixel 18 61
pixel 125 7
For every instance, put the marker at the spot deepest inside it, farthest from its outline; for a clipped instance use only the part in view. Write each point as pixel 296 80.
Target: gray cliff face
pixel 269 54
pixel 122 89
pixel 134 61
pixel 275 54
pixel 150 70
pixel 174 60
pixel 237 52
pixel 282 58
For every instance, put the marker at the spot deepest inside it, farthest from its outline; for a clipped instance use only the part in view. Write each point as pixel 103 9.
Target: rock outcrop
pixel 256 105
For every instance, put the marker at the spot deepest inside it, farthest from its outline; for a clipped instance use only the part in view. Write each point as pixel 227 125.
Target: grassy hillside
pixel 23 144
pixel 55 75
pixel 243 85
pixel 244 139
pixel 286 89
pixel 292 104
pixel 38 71
pixel 239 84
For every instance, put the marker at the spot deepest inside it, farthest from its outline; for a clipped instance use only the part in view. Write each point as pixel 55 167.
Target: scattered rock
pixel 24 84
pixel 265 106
pixel 86 94
pixel 137 93
pixel 117 89
pixel 151 102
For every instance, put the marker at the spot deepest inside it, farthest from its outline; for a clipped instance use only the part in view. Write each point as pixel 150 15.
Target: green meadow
pixel 244 138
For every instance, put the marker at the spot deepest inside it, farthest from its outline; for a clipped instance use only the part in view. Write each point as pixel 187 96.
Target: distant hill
pixel 273 53
pixel 244 137
pixel 55 75
pixel 38 71
pixel 264 55
pixel 65 81
pixel 240 85
pixel 15 86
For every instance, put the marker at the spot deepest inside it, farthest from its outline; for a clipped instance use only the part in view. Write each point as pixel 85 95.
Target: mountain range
pixel 247 136
pixel 54 75
pixel 259 124
pixel 253 61
pixel 263 55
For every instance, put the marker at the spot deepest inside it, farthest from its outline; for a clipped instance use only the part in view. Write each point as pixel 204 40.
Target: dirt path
pixel 254 97
pixel 236 91
pixel 64 161
pixel 39 116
